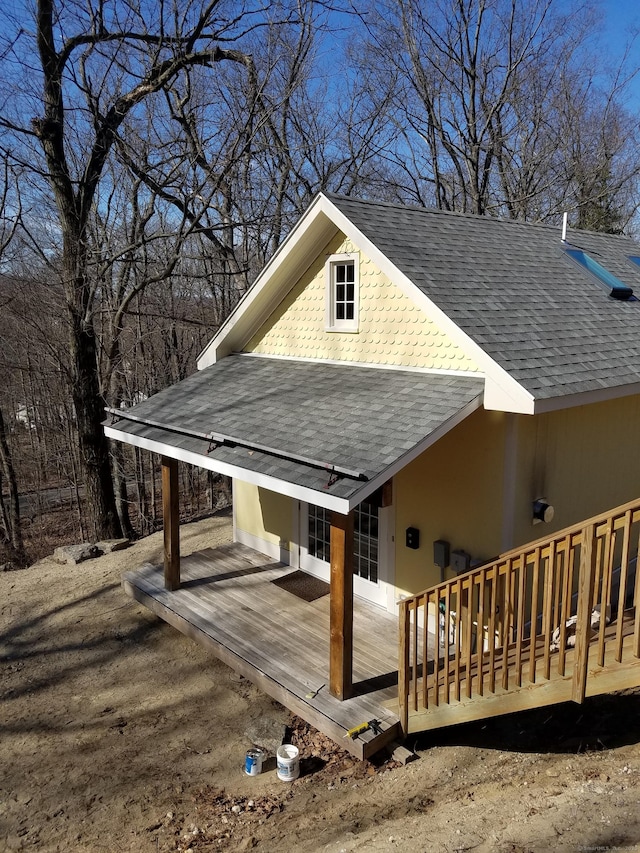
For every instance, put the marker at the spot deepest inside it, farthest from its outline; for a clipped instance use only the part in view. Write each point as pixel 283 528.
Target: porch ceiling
pixel 295 421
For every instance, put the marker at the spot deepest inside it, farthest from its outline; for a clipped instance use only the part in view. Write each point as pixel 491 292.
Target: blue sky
pixel 622 20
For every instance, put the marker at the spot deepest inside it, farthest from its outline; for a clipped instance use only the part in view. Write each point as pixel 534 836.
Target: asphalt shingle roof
pixel 362 419
pixel 510 286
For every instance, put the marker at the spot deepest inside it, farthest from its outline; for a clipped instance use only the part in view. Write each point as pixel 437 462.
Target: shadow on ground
pixel 602 722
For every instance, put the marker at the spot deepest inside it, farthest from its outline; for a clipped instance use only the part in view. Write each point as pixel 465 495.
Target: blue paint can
pixel 253 762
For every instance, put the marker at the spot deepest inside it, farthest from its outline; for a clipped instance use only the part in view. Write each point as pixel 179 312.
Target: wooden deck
pixel 228 603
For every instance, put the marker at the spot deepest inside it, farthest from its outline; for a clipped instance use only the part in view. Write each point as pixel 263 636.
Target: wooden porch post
pixel 171 523
pixel 341 617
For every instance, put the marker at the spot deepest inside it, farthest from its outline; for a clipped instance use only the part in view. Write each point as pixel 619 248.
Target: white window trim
pixel 331 324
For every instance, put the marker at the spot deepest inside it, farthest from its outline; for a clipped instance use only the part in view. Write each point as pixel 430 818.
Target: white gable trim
pixel 293 258
pixel 300 249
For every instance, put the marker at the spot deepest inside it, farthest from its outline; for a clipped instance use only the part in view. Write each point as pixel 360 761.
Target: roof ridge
pixel 472 216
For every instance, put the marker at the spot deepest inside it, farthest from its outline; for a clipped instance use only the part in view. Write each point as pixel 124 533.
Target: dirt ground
pixel 119 734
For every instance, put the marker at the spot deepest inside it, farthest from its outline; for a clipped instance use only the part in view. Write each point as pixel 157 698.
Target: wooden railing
pixel 525 617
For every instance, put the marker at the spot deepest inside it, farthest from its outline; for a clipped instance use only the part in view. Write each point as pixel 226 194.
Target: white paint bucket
pixel 288 762
pixel 253 762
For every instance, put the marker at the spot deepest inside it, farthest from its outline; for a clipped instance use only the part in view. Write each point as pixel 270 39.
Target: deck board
pixel 227 602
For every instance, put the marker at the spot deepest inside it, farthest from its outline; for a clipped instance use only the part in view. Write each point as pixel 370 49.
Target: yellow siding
pixel 392 329
pixel 262 513
pixel 584 460
pixel 453 491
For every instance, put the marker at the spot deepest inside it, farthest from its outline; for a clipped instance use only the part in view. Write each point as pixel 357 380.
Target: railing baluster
pixel 480 631
pixel 436 656
pixel 458 639
pixel 549 579
pixel 468 630
pixel 622 586
pixel 599 571
pixel 534 616
pixel 636 604
pixel 506 624
pixel 605 593
pixel 415 654
pixel 447 624
pixel 492 629
pixel 522 574
pixel 565 604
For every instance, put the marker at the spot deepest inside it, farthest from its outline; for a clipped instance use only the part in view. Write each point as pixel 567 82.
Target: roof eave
pixel 585 398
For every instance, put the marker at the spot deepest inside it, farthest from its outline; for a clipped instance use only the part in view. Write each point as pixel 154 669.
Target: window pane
pixel 319 542
pixel 340 292
pixel 351 272
pixel 340 311
pixel 350 291
pixel 340 272
pixel 349 310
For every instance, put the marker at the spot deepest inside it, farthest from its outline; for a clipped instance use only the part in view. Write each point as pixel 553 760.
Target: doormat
pixel 303 585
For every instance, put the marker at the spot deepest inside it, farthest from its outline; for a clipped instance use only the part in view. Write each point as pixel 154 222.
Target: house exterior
pixel 454 386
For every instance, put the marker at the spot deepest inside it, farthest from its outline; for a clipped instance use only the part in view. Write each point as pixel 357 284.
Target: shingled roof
pixel 512 289
pixel 299 422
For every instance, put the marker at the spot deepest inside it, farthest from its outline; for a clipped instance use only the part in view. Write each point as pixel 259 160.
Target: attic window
pixel 617 289
pixel 342 293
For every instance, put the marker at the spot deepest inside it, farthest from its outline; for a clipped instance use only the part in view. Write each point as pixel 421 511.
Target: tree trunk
pixel 87 399
pixel 12 515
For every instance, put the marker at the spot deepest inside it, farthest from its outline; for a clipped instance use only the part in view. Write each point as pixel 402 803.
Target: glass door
pixel 315 551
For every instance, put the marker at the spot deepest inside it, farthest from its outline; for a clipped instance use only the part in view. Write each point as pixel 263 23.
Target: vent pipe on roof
pixel 565 216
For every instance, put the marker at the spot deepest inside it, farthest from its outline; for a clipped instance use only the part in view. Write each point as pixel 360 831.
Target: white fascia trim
pixel 469 374
pixel 282 487
pixel 416 451
pixel 252 298
pixel 586 398
pixel 505 394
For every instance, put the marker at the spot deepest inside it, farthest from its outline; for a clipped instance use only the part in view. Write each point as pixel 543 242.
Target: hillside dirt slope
pixel 119 734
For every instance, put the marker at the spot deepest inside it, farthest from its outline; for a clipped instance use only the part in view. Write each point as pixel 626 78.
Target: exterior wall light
pixel 542 511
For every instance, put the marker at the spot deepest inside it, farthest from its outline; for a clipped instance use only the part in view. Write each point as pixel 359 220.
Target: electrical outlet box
pixel 413 538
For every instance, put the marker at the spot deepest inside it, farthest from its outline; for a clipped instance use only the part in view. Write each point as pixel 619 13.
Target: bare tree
pixel 496 107
pixel 96 64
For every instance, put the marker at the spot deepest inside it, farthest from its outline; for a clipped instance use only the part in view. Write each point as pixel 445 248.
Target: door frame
pixel 385 594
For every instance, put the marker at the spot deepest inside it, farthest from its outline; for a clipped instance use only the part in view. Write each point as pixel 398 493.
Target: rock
pixel 107 546
pixel 400 753
pixel 71 555
pixel 268 732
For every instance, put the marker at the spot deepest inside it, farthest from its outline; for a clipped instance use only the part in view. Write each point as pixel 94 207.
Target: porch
pixel 228 601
